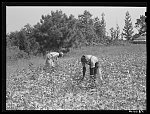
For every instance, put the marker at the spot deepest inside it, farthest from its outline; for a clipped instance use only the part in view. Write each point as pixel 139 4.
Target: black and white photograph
pixel 76 58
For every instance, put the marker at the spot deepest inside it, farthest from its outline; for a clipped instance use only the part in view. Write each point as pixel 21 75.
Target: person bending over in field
pixel 93 63
pixel 51 59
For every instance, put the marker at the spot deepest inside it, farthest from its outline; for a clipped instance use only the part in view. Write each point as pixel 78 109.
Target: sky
pixel 18 16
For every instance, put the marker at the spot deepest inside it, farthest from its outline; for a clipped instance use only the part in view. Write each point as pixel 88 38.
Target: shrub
pixel 14 53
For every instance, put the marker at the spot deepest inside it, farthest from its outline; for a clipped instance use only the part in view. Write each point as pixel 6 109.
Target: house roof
pixel 141 38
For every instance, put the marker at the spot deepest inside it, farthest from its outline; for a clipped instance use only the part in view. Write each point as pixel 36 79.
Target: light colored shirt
pixel 50 62
pixel 52 55
pixel 51 58
pixel 91 60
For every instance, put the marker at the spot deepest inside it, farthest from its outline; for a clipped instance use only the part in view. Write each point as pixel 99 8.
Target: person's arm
pixel 100 73
pixel 56 58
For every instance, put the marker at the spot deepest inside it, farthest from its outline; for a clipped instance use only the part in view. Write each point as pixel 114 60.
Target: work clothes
pixel 93 63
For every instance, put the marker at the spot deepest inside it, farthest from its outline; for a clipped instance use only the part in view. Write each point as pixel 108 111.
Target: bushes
pixel 14 53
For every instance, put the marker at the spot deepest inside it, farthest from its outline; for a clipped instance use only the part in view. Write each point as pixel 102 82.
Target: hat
pixel 61 54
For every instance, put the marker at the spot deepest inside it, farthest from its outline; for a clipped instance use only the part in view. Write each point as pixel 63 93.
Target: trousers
pixel 94 71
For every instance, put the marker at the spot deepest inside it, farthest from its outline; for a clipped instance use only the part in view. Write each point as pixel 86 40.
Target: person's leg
pixel 91 73
pixel 84 70
pixel 92 78
pixel 46 64
pixel 98 74
pixel 96 69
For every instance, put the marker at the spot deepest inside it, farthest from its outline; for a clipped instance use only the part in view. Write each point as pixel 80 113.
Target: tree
pixel 113 34
pixel 32 45
pixel 54 31
pixel 8 41
pixel 13 38
pixel 128 29
pixel 103 25
pixel 85 18
pixel 141 24
pixel 117 31
pixel 25 40
pixel 85 25
pixel 100 29
pixel 87 31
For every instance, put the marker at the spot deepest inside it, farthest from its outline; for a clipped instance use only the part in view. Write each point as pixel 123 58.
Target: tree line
pixel 57 31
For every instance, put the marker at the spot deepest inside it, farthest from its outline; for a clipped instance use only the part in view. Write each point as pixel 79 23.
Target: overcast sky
pixel 18 16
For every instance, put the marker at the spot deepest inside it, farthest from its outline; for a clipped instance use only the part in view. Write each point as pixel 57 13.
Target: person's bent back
pixel 52 57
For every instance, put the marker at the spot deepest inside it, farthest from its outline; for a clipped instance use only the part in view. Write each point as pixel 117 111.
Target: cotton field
pixel 123 86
